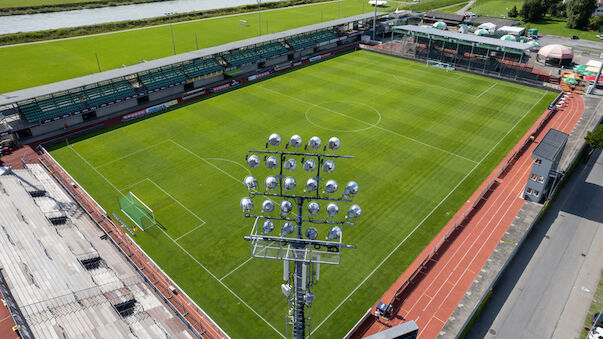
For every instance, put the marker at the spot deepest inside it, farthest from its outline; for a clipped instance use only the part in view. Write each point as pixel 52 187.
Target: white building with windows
pixel 544 169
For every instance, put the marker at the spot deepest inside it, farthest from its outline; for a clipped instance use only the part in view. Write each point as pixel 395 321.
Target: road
pixel 532 294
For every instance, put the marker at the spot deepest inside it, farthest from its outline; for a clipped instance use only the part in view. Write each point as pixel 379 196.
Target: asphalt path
pixel 532 294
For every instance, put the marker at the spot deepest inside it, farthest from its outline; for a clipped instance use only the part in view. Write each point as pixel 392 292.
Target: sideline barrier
pixel 475 206
pixel 180 304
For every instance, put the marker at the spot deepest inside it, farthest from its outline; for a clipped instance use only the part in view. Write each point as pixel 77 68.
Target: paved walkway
pixel 447 276
pixel 528 300
pixel 465 8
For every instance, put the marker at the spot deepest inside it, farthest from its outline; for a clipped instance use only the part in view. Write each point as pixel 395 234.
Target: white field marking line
pixel 206 161
pixel 221 283
pixel 236 268
pixel 189 232
pixel 177 201
pixel 162 25
pixel 130 154
pixel 475 238
pixel 484 92
pixel 368 123
pixel 424 219
pixel 132 185
pixel 234 162
pixel 185 251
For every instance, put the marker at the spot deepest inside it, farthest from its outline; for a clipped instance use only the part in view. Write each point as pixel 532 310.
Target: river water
pixel 43 21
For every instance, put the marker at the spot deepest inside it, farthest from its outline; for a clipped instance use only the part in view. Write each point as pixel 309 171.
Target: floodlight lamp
pixel 290 164
pixel 246 204
pixel 328 166
pixel 286 207
pixel 253 161
pixel 268 226
pixel 268 206
pixel 351 188
pixel 272 162
pixel 309 297
pixel 334 233
pixel 295 141
pixel 274 139
pixel 290 183
pixel 287 229
pixel 286 289
pixel 271 182
pixel 250 182
pixel 331 186
pixel 310 165
pixel 334 143
pixel 354 212
pixel 311 185
pixel 314 143
pixel 311 233
pixel 313 208
pixel 332 209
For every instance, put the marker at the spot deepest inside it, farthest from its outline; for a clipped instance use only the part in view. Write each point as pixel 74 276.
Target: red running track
pixel 439 288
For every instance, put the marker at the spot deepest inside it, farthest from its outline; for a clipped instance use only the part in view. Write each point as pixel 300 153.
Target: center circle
pixel 343 116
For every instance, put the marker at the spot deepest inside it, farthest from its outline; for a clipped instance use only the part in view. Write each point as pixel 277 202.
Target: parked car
pixel 575 37
pixel 596 333
pixel 597 320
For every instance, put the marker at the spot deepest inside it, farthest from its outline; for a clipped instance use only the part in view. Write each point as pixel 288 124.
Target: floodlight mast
pixel 301 248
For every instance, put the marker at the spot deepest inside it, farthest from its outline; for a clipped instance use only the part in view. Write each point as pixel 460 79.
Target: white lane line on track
pixel 426 217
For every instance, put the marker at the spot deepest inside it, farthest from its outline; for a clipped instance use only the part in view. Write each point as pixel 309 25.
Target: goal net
pixel 439 64
pixel 137 211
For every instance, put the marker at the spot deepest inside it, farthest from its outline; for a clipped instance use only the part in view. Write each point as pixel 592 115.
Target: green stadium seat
pixel 301 42
pixel 201 67
pixel 162 78
pixel 108 93
pixel 270 50
pixel 49 108
pixel 322 36
pixel 240 57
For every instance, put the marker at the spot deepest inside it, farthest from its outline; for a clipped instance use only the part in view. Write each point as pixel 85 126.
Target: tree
pixel 533 10
pixel 596 22
pixel 513 13
pixel 594 138
pixel 579 12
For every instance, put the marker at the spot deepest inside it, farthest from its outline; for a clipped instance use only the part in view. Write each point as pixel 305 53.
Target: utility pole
pixel 97 63
pixel 171 30
pixel 260 15
pixel 375 20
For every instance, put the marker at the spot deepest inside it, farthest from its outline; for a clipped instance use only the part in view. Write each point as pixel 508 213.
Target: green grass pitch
pixel 423 139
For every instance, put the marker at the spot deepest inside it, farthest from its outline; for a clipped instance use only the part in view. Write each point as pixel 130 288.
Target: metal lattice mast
pixel 294 243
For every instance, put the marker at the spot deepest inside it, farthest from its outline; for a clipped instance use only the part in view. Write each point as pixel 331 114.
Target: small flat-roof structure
pixel 87 80
pixel 551 145
pixel 455 37
pixel 513 30
pixel 407 330
pixel 448 18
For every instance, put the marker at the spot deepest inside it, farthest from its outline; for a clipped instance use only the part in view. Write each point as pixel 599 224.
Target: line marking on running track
pixel 370 124
pixel 236 268
pixel 426 217
pixel 130 154
pixel 185 251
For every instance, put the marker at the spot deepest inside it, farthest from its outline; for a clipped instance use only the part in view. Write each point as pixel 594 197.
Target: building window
pixel 541 179
pixel 536 193
pixel 538 161
pixel 529 190
pixel 533 177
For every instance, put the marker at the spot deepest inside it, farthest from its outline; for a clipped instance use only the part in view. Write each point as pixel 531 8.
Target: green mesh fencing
pixel 136 210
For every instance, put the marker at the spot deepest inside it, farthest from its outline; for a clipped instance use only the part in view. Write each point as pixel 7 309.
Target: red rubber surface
pixel 439 289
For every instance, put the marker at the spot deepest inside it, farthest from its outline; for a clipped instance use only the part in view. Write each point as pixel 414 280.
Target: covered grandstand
pixel 36 111
pixel 452 50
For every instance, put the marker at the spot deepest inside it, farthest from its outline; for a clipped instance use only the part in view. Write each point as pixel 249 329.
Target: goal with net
pixel 439 64
pixel 137 211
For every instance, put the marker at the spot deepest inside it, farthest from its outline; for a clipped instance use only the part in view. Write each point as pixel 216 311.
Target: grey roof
pixel 466 37
pixel 497 21
pixel 551 145
pixel 396 331
pixel 444 16
pixel 65 85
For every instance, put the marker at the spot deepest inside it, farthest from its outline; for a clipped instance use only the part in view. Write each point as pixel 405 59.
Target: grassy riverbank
pixel 19 7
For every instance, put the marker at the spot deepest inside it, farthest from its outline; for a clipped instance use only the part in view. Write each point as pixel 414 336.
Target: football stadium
pixel 163 186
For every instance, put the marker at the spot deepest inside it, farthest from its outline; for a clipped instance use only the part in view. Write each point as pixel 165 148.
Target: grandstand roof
pixel 493 42
pixel 65 85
